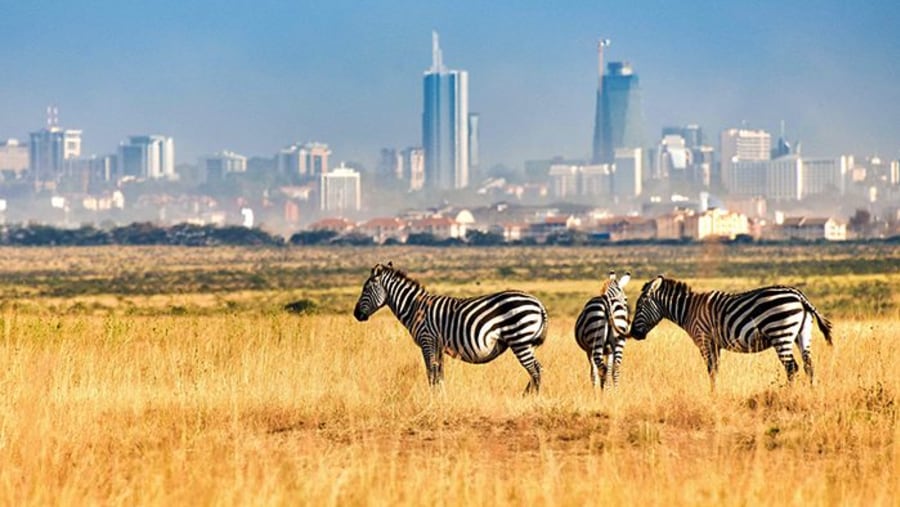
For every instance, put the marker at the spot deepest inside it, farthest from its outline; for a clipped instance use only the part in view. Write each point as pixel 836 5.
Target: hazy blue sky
pixel 255 76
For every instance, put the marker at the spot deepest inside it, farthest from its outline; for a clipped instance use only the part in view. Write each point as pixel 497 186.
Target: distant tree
pixel 480 238
pixel 139 233
pixel 861 222
pixel 422 239
pixel 312 237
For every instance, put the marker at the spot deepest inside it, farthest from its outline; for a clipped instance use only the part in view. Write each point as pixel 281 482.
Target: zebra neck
pixel 404 296
pixel 680 310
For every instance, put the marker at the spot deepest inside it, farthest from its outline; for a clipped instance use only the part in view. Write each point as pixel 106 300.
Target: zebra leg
pixel 599 366
pixel 525 355
pixel 786 356
pixel 433 361
pixel 807 364
pixel 711 354
pixel 804 342
pixel 595 376
pixel 614 360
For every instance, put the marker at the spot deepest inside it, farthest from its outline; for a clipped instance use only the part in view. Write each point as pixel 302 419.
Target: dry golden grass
pixel 202 392
pixel 322 410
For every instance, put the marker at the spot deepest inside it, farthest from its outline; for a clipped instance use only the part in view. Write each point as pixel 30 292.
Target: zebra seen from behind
pixel 601 328
pixel 751 321
pixel 475 330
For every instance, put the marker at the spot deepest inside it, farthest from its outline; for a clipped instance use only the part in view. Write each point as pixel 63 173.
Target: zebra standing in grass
pixel 476 330
pixel 751 321
pixel 601 329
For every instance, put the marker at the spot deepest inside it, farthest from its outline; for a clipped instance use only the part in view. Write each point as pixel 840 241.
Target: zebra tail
pixel 824 324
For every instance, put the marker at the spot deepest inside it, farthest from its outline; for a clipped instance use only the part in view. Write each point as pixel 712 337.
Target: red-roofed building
pixel 439 227
pixel 383 228
pixel 336 224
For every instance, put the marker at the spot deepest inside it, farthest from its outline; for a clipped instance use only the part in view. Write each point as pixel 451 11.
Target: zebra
pixel 475 330
pixel 601 328
pixel 752 321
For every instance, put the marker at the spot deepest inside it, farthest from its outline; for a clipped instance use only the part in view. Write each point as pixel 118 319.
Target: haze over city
pixel 254 77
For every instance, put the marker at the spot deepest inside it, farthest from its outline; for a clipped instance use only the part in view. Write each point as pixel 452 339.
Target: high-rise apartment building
pixel 629 172
pixel 474 119
pixel 340 190
pixel 13 158
pixel 50 147
pixel 218 166
pixel 618 119
pixel 147 157
pixel 445 124
pixel 741 145
pixel 308 160
pixel 414 167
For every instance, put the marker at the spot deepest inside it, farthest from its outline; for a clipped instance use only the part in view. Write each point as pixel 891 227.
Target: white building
pixel 340 190
pixel 739 145
pixel 147 157
pixel 822 175
pixel 217 166
pixel 13 157
pixel 49 149
pixel 779 179
pixel 629 172
pixel 306 160
pixel 564 180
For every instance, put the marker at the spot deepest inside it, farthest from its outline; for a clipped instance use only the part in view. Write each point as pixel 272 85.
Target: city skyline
pixel 219 77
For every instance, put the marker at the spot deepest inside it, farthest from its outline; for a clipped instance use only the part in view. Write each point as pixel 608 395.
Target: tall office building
pixel 218 166
pixel 340 190
pixel 303 160
pixel 445 124
pixel 50 147
pixel 13 158
pixel 618 119
pixel 629 172
pixel 414 167
pixel 147 157
pixel 742 145
pixel 474 119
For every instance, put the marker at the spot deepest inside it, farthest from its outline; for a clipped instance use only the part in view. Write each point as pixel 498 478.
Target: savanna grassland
pixel 173 376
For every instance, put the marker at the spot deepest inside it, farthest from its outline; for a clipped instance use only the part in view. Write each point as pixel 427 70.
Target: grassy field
pixel 171 376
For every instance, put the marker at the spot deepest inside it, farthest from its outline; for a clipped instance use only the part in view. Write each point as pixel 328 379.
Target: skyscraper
pixel 151 157
pixel 340 190
pixel 445 124
pixel 741 145
pixel 618 120
pixel 50 147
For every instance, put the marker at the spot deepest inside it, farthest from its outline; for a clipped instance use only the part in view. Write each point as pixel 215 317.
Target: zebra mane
pixel 605 286
pixel 399 273
pixel 670 285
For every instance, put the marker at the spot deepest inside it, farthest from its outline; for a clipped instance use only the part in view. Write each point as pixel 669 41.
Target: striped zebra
pixel 751 321
pixel 601 329
pixel 475 330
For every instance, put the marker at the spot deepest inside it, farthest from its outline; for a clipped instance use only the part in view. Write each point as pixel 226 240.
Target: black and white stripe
pixel 752 321
pixel 475 330
pixel 601 328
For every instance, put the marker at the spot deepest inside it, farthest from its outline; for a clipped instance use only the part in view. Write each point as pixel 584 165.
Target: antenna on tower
pixel 601 44
pixel 52 116
pixel 437 63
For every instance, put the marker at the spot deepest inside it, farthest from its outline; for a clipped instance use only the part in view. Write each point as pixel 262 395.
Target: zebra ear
pixel 655 284
pixel 390 264
pixel 624 280
pixel 612 275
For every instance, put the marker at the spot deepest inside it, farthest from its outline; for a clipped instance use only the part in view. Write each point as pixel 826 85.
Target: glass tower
pixel 618 122
pixel 445 124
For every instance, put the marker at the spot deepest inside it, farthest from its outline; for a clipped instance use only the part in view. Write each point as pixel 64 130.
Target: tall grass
pixel 262 409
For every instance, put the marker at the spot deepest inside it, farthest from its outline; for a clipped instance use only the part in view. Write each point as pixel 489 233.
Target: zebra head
pixel 647 310
pixel 374 295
